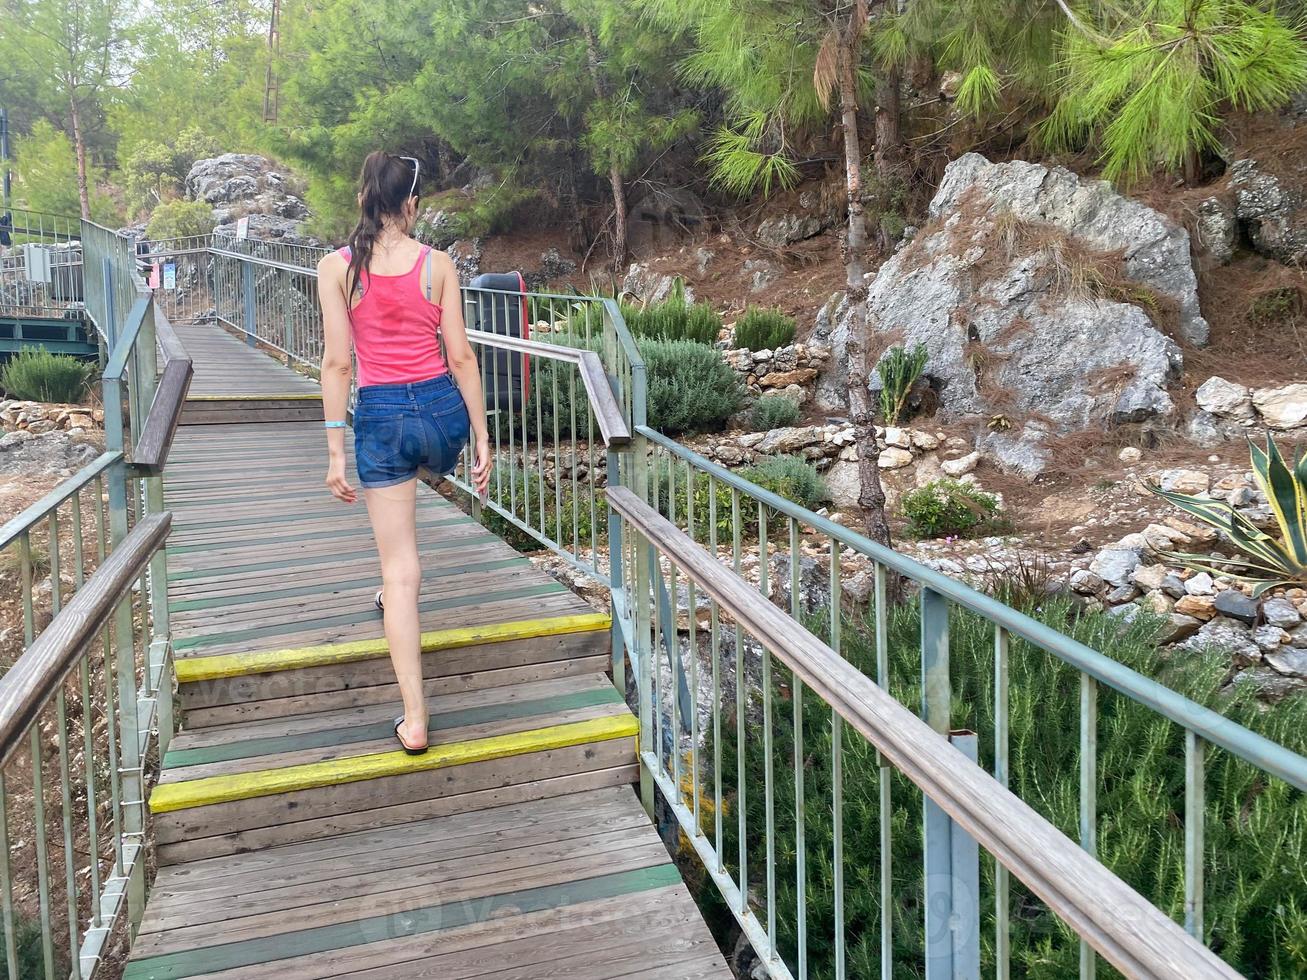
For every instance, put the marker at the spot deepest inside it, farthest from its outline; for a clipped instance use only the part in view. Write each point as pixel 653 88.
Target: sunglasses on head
pixel 417 169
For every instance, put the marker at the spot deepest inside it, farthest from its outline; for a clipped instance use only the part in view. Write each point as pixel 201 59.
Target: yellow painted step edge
pixel 190 670
pixel 225 789
pixel 294 396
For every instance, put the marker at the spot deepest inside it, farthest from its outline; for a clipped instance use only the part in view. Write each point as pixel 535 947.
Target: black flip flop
pixel 407 748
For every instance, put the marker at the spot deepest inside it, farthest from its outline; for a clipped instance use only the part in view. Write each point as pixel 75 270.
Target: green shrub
pixel 691 388
pixel 899 370
pixel 764 330
pixel 179 219
pixel 774 412
pixel 948 507
pixel 1255 844
pixel 674 319
pixel 30 950
pixel 39 376
pixel 793 478
pixel 567 516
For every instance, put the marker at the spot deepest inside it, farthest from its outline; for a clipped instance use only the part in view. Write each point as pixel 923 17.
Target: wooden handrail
pixel 34 678
pixel 152 447
pixel 1126 929
pixel 608 413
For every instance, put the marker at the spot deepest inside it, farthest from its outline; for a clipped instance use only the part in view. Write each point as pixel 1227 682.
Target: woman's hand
pixel 336 482
pixel 481 471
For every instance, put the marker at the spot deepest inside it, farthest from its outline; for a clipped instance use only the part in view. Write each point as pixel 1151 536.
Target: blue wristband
pixel 333 425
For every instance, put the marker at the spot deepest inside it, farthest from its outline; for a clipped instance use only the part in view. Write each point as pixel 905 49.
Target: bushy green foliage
pixel 949 507
pixel 764 329
pixel 485 213
pixel 691 388
pixel 568 517
pixel 774 412
pixel 709 510
pixel 37 375
pixel 899 370
pixel 46 169
pixel 31 956
pixel 1255 846
pixel 179 219
pixel 152 171
pixel 674 319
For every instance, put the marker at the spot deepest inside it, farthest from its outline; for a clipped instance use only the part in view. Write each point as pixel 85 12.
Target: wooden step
pixel 228 688
pixel 577 886
pixel 226 409
pixel 259 782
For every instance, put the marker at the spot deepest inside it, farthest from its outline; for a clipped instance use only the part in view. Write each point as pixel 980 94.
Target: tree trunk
pixel 871 498
pixel 614 172
pixel 83 192
pixel 889 123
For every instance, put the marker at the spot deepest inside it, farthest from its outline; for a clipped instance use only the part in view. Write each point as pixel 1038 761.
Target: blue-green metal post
pixel 964 870
pixel 247 294
pixel 938 829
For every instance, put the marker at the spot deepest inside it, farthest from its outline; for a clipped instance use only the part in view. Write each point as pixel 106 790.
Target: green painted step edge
pixel 428 919
pixel 193 669
pixel 442 721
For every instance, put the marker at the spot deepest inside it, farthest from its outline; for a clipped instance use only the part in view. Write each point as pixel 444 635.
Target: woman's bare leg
pixel 393 511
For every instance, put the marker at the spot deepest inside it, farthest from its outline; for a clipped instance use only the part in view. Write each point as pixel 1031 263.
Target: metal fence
pixel 85 710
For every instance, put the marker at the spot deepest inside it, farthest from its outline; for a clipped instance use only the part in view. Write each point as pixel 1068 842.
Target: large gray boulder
pixel 1274 216
pixel 995 289
pixel 241 184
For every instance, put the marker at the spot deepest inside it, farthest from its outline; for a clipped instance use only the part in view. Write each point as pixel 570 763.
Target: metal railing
pixel 41 273
pixel 94 676
pixel 569 432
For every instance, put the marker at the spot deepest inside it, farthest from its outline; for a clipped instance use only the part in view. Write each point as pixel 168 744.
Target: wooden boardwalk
pixel 294 838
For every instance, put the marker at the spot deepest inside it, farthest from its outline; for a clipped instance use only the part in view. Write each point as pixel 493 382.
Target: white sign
pixel 170 275
pixel 37 261
pixel 243 227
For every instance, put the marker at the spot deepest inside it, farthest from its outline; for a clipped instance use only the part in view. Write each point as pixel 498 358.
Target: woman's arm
pixel 463 365
pixel 337 369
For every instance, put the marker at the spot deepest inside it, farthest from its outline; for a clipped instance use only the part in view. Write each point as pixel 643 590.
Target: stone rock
pixel 1281 613
pixel 783 379
pixel 786 229
pixel 901 438
pixel 554 266
pixel 1183 481
pixel 1130 454
pixel 1284 407
pixel 1235 605
pixel 1270 685
pixel 1149 577
pixel 1201 607
pixel 1274 218
pixel 1178 627
pixel 1085 582
pixel 1159 602
pixel 1200 534
pixel 239 184
pixel 1269 638
pixel 1048 349
pixel 1200 584
pixel 894 458
pixel 1122 593
pixel 761 274
pixel 1290 661
pixel 1204 430
pixel 960 467
pixel 48 453
pixel 1225 398
pixel 1173 587
pixel 1115 565
pixel 1227 638
pixel 649 286
pixel 1217 229
pixel 790 439
pixel 924 440
pixel 1127 613
pixel 844 484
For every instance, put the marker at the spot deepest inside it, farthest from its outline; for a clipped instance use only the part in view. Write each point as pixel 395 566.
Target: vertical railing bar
pixel 1088 794
pixel 536 383
pixel 768 781
pixel 796 694
pixel 692 602
pixel 716 683
pixel 655 653
pixel 42 858
pixel 1195 818
pixel 70 865
pixel 837 768
pixel 7 889
pixel 25 577
pixel 1002 930
pixel 92 818
pixel 883 788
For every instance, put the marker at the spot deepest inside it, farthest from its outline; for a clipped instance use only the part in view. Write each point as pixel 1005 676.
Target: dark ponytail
pixel 383 191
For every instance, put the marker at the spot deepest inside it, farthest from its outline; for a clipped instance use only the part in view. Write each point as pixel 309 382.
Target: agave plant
pixel 1267 561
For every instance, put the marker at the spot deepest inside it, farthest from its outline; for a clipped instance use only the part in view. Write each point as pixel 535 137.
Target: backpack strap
pixel 428 287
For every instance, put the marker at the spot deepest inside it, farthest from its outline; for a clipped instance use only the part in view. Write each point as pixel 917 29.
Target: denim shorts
pixel 399 428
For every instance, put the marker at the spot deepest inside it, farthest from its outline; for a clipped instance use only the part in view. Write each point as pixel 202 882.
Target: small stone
pixel 1085 582
pixel 962 466
pixel 1281 613
pixel 1174 587
pixel 1224 637
pixel 1122 593
pixel 1269 638
pixel 924 440
pixel 782 379
pixel 41 426
pixel 1198 606
pixel 1284 407
pixel 1225 398
pixel 1149 577
pixel 1127 613
pixel 1114 565
pixel 1200 534
pixel 1200 584
pixel 1130 454
pixel 898 437
pixel 1291 662
pixel 1235 605
pixel 1184 481
pixel 1161 537
pixel 1159 602
pixel 895 458
pixel 1178 627
pixel 1241 497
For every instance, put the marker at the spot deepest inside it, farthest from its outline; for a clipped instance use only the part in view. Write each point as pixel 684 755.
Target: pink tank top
pixel 395 328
